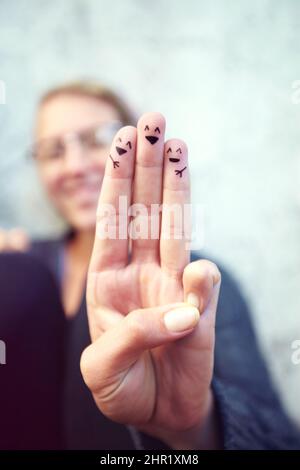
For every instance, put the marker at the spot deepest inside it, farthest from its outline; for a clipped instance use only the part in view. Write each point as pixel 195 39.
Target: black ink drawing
pixel 173 159
pixel 179 172
pixel 115 163
pixel 152 138
pixel 176 160
pixel 120 151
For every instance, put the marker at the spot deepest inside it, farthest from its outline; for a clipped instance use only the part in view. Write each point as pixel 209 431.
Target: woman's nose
pixel 75 158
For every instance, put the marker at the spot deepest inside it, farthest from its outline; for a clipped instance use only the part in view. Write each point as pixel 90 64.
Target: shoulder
pixel 23 273
pixel 232 306
pixel 43 247
pixel 50 253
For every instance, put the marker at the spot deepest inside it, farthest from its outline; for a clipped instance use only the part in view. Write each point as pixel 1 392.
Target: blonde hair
pixel 96 91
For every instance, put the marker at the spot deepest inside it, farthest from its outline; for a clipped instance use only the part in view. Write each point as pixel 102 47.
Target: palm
pixel 151 378
pixel 138 286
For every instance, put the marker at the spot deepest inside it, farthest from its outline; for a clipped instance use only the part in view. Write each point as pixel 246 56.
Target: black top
pixel 250 412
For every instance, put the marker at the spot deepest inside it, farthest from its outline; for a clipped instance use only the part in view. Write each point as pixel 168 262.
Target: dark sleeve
pixel 251 415
pixel 51 254
pixel 32 328
pixel 249 410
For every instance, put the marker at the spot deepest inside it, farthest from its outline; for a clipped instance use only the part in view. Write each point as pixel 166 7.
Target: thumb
pixel 119 347
pixel 201 283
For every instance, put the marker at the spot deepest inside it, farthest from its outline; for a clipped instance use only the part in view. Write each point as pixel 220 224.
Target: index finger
pixel 111 239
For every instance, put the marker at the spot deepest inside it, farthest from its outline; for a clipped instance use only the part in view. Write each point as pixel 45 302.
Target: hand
pixel 151 359
pixel 15 239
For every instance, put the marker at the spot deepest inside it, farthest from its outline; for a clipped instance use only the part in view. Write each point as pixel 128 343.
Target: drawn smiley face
pixel 152 138
pixel 120 151
pixel 174 159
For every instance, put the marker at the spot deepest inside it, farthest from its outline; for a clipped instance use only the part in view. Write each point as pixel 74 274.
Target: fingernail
pixel 181 319
pixel 193 299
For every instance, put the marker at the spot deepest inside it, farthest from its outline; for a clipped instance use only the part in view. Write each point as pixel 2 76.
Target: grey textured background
pixel 222 73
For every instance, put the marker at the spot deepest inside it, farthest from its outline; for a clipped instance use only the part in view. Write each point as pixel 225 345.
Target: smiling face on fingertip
pixel 174 157
pixel 152 135
pixel 151 130
pixel 121 147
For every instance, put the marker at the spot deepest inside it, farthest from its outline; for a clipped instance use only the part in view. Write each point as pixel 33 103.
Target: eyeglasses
pixel 93 138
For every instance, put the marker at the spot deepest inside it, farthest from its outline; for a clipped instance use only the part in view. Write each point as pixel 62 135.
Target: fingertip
pixel 199 279
pixel 178 143
pixel 128 128
pixel 152 115
pixel 125 133
pixel 176 172
pixel 202 269
pixel 153 123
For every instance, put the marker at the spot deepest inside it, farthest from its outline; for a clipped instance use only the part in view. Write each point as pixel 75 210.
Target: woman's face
pixel 73 134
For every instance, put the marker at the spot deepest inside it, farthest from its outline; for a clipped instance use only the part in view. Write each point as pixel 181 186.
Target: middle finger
pixel 147 189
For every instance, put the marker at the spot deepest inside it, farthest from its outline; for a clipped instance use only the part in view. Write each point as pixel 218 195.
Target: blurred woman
pixel 74 127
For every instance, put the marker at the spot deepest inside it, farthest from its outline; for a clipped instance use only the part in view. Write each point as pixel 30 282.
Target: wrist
pixel 204 435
